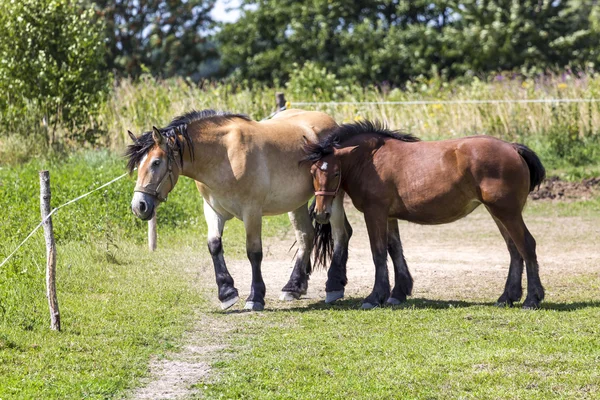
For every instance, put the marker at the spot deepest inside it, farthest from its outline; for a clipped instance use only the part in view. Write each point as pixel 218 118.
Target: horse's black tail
pixel 323 241
pixel 537 172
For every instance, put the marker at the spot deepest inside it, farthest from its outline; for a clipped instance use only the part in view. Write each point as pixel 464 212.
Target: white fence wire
pixel 432 102
pixel 55 210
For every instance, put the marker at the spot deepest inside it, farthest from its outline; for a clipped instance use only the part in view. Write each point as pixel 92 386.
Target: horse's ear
pixel 132 136
pixel 157 136
pixel 348 149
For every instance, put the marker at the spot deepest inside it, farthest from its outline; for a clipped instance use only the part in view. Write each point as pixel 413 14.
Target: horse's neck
pixel 355 154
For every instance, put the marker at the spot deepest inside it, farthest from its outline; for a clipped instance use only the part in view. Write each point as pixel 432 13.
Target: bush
pixel 52 71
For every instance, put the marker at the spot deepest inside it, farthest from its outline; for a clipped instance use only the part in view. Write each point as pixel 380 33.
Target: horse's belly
pixel 434 211
pixel 285 199
pixel 435 215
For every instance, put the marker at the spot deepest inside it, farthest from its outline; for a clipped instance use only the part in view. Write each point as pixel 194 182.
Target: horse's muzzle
pixel 142 205
pixel 323 218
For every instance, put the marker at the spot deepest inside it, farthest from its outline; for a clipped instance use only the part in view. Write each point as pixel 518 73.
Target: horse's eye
pixel 337 173
pixel 155 163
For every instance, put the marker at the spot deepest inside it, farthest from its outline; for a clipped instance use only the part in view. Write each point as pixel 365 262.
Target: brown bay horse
pixel 243 169
pixel 390 175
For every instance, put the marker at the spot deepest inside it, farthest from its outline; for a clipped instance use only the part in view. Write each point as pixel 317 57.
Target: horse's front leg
pixel 298 283
pixel 253 225
pixel 228 294
pixel 377 226
pixel 341 232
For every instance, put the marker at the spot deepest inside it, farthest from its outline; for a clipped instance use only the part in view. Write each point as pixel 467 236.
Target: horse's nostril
pixel 327 215
pixel 143 206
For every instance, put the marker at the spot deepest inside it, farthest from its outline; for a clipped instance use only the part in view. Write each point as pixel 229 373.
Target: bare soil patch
pixel 554 188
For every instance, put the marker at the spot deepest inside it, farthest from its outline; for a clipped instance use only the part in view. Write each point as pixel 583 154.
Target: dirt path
pixel 466 260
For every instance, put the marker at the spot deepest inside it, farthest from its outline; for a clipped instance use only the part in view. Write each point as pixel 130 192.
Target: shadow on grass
pixel 355 303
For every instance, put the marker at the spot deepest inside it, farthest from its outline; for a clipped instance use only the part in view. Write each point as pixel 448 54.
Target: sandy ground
pixel 463 261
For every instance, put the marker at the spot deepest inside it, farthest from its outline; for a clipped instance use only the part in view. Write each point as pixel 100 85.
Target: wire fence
pixel 432 102
pixel 54 210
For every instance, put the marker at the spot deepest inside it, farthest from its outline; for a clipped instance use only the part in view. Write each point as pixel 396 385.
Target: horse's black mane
pixel 178 126
pixel 337 136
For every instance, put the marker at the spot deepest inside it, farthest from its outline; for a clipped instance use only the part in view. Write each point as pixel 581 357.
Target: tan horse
pixel 243 169
pixel 390 175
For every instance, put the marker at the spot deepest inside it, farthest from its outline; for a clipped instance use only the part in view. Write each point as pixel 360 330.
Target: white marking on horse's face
pixel 143 159
pixel 324 166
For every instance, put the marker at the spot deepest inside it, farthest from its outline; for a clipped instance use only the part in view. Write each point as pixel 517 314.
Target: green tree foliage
pixel 165 38
pixel 396 40
pixel 51 65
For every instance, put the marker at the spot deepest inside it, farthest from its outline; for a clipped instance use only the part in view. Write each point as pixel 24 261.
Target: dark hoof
pixel 289 296
pixel 225 304
pixel 394 301
pixel 254 306
pixel 531 305
pixel 368 306
pixel 295 289
pixel 532 302
pixel 330 297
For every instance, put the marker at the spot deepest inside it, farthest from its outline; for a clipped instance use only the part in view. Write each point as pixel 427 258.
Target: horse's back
pixel 289 124
pixel 441 181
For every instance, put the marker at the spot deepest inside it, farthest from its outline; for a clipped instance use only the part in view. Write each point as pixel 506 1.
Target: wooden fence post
pixel 50 251
pixel 280 100
pixel 152 233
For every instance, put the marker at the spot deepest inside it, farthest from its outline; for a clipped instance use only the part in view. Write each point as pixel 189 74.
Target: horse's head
pixel 327 178
pixel 153 154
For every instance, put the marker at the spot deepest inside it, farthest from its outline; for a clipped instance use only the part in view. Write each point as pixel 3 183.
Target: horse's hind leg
pixel 228 294
pixel 525 244
pixel 341 232
pixel 253 225
pixel 403 282
pixel 513 290
pixel 298 283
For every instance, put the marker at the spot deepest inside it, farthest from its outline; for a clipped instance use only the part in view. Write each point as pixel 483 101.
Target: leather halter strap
pixel 156 192
pixel 328 192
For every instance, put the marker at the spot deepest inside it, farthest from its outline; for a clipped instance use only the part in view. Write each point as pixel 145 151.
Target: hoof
pixel 330 297
pixel 531 306
pixel 368 306
pixel 228 303
pixel 289 296
pixel 254 306
pixel 394 301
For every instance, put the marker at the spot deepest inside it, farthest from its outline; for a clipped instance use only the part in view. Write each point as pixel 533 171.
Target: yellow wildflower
pixel 562 85
pixel 288 104
pixel 436 106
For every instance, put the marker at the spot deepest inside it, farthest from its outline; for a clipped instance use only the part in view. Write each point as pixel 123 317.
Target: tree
pixel 165 38
pixel 397 40
pixel 51 64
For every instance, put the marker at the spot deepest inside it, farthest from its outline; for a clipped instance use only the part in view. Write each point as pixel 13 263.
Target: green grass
pixel 119 303
pixel 425 350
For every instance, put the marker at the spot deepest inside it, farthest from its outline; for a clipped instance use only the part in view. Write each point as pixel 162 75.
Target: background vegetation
pixel 76 74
